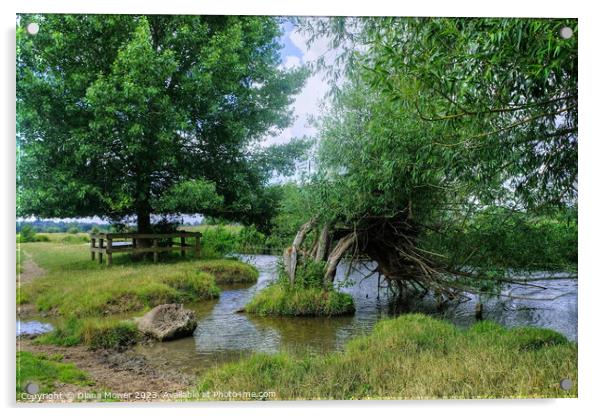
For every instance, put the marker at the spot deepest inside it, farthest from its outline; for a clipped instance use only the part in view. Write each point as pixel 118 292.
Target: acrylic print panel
pixel 244 208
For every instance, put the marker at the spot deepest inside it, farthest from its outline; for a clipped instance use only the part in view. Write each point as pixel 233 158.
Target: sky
pixel 294 54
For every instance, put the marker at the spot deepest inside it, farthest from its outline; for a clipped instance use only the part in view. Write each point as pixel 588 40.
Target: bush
pixel 75 239
pixel 27 234
pixel 217 242
pixel 73 230
pixel 250 240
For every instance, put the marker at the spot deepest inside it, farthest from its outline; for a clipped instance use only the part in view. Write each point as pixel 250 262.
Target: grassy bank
pixel 228 271
pixel 93 298
pixel 46 372
pixel 305 297
pixel 280 299
pixel 95 333
pixel 414 357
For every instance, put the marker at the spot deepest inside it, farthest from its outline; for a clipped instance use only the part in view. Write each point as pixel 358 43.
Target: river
pixel 222 335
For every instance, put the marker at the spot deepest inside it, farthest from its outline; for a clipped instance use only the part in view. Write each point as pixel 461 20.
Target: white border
pixel 589 211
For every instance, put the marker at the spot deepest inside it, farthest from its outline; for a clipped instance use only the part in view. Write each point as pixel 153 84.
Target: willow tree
pixel 122 115
pixel 434 120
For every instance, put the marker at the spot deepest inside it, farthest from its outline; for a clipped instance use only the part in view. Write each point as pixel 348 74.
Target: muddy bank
pixel 127 375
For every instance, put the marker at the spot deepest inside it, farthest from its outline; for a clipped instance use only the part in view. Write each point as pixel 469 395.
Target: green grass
pixel 46 372
pixel 77 286
pixel 91 297
pixel 95 333
pixel 230 271
pixel 414 357
pixel 280 299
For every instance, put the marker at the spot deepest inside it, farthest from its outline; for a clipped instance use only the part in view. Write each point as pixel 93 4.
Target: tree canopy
pixel 442 128
pixel 121 114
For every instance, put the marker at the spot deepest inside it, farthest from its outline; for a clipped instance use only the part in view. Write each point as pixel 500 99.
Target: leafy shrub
pixel 250 240
pixel 75 239
pixel 27 234
pixel 73 230
pixel 217 242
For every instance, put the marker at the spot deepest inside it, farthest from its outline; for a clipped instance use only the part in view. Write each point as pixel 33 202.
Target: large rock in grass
pixel 167 322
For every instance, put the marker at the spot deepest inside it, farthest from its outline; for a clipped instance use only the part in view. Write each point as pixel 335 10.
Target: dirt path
pixel 128 376
pixel 29 270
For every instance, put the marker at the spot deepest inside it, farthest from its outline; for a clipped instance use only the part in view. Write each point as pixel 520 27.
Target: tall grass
pixel 414 357
pixel 305 297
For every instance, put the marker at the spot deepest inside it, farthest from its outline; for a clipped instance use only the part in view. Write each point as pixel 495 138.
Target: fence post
pixel 109 251
pixel 155 252
pixel 101 246
pixel 182 245
pixel 92 248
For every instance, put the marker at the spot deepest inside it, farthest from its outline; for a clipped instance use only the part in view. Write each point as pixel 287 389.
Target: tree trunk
pixel 291 253
pixel 323 243
pixel 143 222
pixel 143 225
pixel 335 257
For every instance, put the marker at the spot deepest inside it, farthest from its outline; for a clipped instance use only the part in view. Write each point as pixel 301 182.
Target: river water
pixel 222 335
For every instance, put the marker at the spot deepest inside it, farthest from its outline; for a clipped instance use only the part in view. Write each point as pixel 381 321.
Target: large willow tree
pixel 121 115
pixel 435 121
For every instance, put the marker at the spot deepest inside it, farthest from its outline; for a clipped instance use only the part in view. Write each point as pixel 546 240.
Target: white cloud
pixel 307 102
pixel 292 61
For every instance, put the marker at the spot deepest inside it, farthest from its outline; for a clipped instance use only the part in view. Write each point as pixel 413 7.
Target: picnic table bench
pixel 105 243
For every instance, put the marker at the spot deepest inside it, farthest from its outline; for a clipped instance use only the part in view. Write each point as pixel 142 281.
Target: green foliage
pixel 47 372
pixel 445 125
pixel 75 239
pixel 73 230
pixel 218 241
pixel 293 206
pixel 499 93
pixel 150 114
pixel 250 240
pixel 497 238
pixel 414 357
pixel 27 234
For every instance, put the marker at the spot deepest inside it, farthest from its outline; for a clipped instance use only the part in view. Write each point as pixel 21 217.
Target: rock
pixel 166 322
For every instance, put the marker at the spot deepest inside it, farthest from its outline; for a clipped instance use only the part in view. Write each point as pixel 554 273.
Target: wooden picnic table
pixel 104 243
